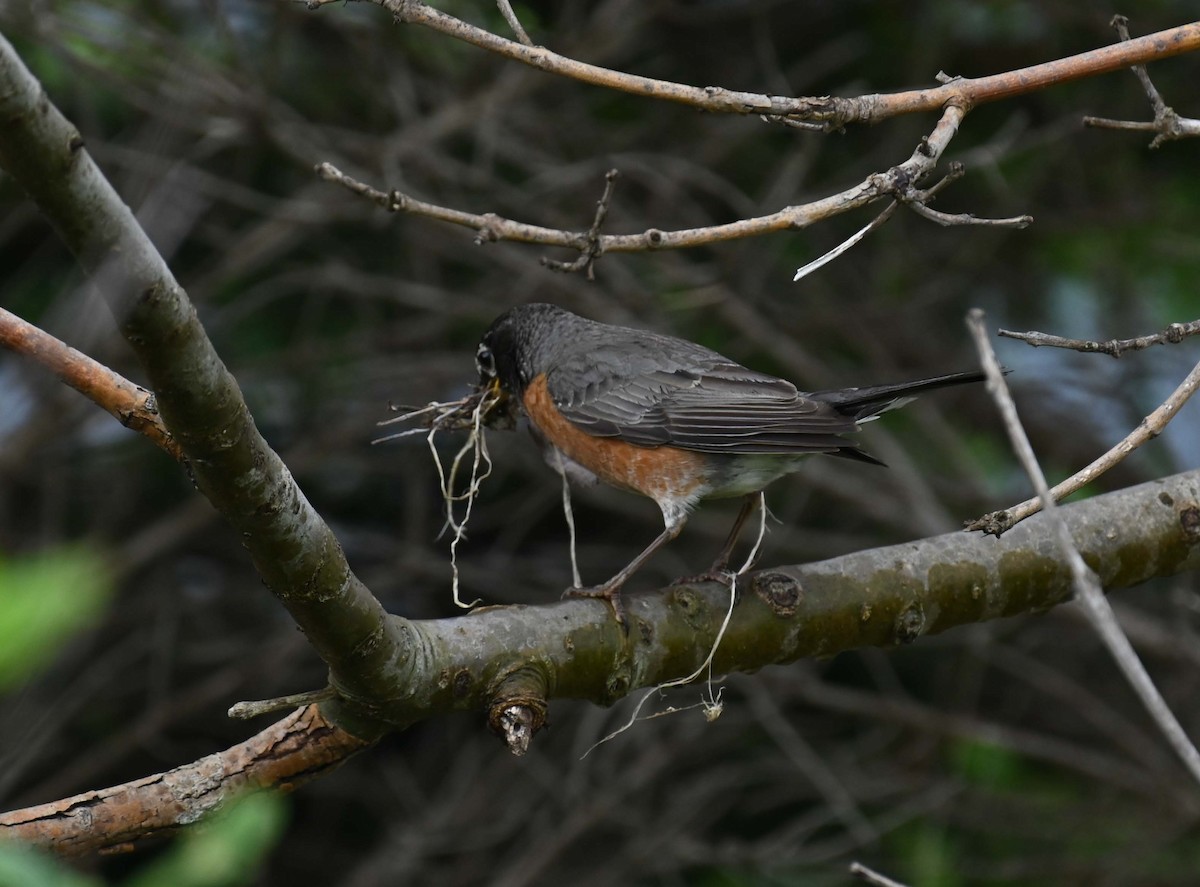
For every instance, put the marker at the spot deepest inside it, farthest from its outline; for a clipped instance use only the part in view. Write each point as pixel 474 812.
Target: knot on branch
pixel 518 707
pixel 779 591
pixel 995 523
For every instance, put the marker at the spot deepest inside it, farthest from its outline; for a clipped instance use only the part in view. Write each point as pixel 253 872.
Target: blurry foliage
pixel 43 601
pixel 209 118
pixel 225 851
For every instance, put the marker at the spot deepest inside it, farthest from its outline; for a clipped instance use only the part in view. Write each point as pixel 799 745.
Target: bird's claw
pixel 606 592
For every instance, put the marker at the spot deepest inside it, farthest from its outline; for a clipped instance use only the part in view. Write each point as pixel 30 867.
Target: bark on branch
pixel 298 748
pixel 831 112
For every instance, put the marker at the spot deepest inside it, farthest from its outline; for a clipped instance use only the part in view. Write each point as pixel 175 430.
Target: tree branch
pixel 200 402
pixel 131 405
pixel 997 522
pixel 1167 123
pixel 1172 335
pixel 832 112
pixel 899 181
pixel 880 597
pixel 287 754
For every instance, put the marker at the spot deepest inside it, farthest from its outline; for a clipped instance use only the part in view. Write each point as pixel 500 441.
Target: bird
pixel 667 418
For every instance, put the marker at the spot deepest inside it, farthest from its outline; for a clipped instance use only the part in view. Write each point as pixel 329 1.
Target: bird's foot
pixel 610 592
pixel 720 573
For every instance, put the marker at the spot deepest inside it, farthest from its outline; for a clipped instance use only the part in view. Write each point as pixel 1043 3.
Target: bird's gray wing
pixel 679 394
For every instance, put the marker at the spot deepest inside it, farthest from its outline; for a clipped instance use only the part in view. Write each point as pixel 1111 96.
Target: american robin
pixel 667 418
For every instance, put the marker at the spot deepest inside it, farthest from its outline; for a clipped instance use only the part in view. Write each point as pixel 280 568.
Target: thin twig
pixel 587 257
pixel 792 123
pixel 869 876
pixel 130 404
pixel 506 10
pixel 999 522
pixel 918 201
pixel 244 711
pixel 1172 335
pixel 490 227
pixel 948 220
pixel 1167 123
pixel 1120 23
pixel 805 270
pixel 1087 586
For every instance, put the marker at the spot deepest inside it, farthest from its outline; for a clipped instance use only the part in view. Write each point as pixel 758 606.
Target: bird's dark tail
pixel 863 404
pixel 867 403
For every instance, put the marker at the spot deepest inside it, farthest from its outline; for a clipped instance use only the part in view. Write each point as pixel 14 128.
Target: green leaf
pixel 224 850
pixel 25 867
pixel 44 599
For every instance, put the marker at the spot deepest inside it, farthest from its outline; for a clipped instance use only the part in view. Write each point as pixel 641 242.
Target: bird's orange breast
pixel 662 473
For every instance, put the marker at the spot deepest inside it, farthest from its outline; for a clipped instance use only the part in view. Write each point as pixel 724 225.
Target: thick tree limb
pixel 200 402
pixel 513 659
pixel 880 597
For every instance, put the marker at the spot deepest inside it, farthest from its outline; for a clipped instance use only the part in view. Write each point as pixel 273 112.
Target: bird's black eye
pixel 485 362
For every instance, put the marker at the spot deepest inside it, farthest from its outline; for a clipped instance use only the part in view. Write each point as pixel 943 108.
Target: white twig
pixel 824 260
pixel 1087 585
pixel 872 877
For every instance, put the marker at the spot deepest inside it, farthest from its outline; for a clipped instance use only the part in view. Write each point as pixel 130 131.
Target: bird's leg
pixel 719 571
pixel 611 590
pixel 721 564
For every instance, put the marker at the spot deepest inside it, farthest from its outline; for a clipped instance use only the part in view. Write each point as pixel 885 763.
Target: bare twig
pixel 950 219
pixel 830 112
pixel 130 404
pixel 793 123
pixel 490 227
pixel 999 522
pixel 918 201
pixel 1086 584
pixel 1171 127
pixel 587 257
pixel 859 235
pixel 1167 123
pixel 1173 335
pixel 252 708
pixel 872 877
pixel 506 10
